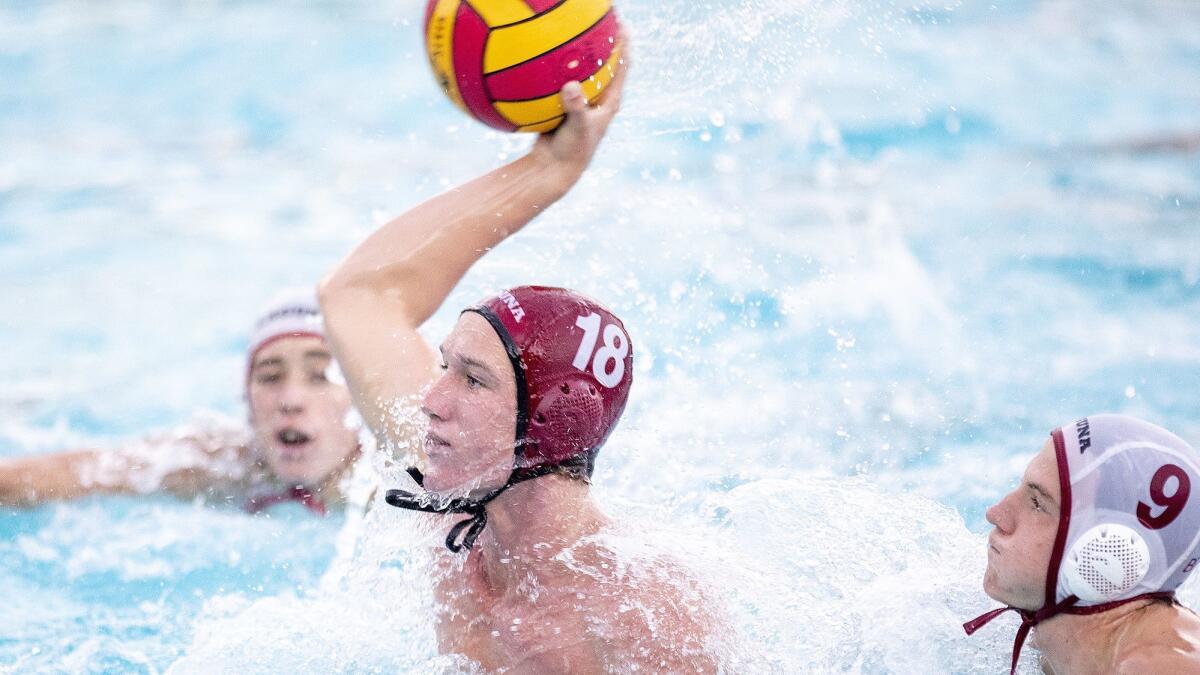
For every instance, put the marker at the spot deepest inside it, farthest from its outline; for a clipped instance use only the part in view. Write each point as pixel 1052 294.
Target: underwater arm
pixel 376 299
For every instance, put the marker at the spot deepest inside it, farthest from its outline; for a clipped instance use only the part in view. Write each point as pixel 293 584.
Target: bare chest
pixel 526 627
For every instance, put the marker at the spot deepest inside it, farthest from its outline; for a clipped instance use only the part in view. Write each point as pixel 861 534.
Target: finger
pixel 573 100
pixel 611 96
pixel 625 43
pixel 574 104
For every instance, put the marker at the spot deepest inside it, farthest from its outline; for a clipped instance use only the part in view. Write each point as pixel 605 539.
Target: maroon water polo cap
pixel 573 364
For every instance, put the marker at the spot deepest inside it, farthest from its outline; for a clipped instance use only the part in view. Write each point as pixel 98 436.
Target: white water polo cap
pixel 291 313
pixel 1129 524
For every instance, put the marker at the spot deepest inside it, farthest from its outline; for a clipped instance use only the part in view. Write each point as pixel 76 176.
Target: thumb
pixel 573 99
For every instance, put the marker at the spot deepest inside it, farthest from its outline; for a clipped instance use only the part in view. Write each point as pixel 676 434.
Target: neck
pixel 531 523
pixel 327 489
pixel 1073 643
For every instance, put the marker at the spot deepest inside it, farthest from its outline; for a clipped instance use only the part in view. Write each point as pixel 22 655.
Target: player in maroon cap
pixel 570 392
pixel 534 380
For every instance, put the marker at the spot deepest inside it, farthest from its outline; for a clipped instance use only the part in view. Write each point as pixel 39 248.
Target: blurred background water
pixel 870 254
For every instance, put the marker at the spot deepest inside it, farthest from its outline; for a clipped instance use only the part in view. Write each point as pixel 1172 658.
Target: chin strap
pixel 476 507
pixel 1029 619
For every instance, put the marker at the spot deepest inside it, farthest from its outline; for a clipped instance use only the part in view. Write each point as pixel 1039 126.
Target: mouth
pixel 435 444
pixel 293 442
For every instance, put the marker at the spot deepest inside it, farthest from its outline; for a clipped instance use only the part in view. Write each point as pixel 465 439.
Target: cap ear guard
pixel 1105 562
pixel 571 415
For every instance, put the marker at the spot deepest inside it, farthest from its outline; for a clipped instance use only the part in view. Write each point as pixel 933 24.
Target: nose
pixel 998 515
pixel 291 398
pixel 436 404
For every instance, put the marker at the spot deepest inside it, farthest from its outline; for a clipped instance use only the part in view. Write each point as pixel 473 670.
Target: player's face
pixel 300 417
pixel 472 411
pixel 1025 524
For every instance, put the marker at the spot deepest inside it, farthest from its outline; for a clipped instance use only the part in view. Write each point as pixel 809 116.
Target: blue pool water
pixel 870 253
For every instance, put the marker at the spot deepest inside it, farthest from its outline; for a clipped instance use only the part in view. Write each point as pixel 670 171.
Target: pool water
pixel 869 254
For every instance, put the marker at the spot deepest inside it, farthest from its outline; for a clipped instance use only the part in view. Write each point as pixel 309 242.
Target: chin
pixel 992 586
pixel 993 590
pixel 989 586
pixel 298 475
pixel 455 483
pixel 437 481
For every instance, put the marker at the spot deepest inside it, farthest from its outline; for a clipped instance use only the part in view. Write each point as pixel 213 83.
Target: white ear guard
pixel 1105 563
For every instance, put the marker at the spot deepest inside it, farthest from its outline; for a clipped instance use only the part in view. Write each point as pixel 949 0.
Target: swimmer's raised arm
pixel 375 300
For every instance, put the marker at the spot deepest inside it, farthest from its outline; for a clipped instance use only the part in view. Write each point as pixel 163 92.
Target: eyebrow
pixel 317 354
pixel 472 363
pixel 1042 491
pixel 269 361
pixel 468 362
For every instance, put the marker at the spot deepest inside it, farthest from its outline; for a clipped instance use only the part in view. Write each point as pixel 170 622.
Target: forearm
pixel 415 260
pixel 377 298
pixel 29 481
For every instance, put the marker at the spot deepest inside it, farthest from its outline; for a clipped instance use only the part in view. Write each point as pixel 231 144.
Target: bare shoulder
pixel 1167 642
pixel 649 607
pixel 1158 659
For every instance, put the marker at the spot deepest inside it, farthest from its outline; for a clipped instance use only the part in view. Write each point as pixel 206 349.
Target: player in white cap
pixel 301 439
pixel 1091 546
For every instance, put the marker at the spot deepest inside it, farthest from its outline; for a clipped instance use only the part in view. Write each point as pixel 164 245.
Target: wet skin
pixel 1145 636
pixel 540 592
pixel 300 417
pixel 472 411
pixel 1025 523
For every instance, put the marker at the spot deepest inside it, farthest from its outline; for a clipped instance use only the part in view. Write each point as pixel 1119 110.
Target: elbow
pixel 334 292
pixel 346 284
pixel 344 300
pixel 331 296
pixel 335 285
pixel 328 290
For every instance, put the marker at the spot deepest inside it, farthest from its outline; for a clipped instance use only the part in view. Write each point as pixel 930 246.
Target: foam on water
pixel 871 253
pixel 813 575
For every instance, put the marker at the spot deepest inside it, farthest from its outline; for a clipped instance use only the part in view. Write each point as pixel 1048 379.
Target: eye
pixel 268 378
pixel 473 383
pixel 318 377
pixel 1037 504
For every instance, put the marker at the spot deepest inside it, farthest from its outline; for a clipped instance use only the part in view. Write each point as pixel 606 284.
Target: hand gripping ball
pixel 504 61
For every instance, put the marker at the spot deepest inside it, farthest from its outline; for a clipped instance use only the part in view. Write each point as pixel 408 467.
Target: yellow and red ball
pixel 504 61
